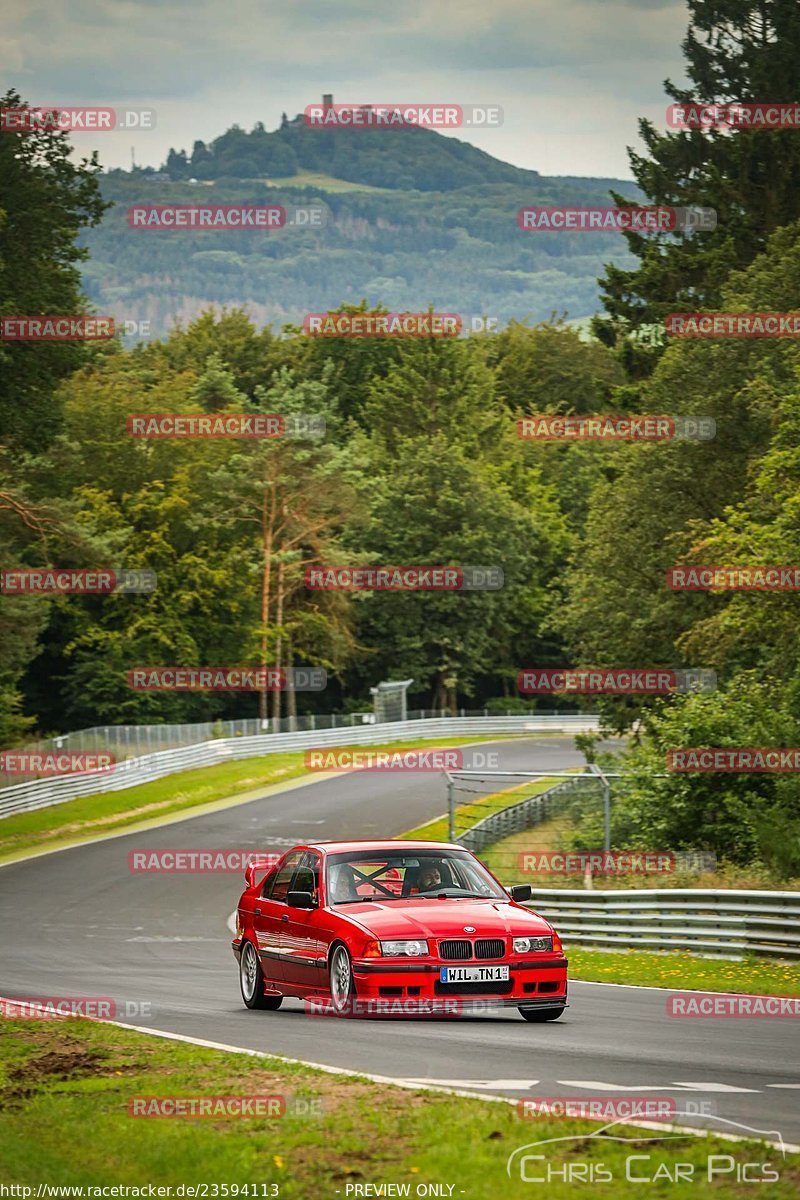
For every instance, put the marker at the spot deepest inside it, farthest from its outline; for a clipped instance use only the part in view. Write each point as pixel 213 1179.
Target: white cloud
pixel 571 75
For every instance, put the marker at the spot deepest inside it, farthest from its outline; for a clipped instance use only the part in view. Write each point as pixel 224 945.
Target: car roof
pixel 387 844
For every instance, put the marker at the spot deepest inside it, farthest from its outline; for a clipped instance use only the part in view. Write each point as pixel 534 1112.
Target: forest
pixel 421 462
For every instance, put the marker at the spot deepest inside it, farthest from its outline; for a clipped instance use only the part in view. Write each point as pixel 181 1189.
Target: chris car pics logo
pixel 651 1158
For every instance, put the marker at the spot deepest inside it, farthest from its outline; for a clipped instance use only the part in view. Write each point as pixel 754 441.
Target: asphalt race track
pixel 79 923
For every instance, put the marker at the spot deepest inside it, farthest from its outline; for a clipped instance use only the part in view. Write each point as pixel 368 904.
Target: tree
pixel 663 504
pixel 286 501
pixel 737 814
pixel 46 199
pixel 446 484
pixel 177 164
pixel 736 50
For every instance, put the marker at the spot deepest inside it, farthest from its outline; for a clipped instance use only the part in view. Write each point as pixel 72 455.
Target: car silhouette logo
pixel 469 929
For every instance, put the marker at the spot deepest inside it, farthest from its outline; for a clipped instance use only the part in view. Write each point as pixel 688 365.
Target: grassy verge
pixel 468 814
pixel 64 1120
pixel 503 858
pixel 682 971
pixel 76 820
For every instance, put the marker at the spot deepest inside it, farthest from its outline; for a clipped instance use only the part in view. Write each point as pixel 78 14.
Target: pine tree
pixel 736 51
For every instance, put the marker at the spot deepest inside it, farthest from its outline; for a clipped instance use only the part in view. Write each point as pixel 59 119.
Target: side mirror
pixel 300 900
pixel 521 891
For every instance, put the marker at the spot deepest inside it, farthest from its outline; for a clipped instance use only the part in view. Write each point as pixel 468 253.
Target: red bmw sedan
pixel 394 927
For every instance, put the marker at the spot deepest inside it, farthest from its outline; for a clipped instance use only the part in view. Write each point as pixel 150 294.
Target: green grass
pixel 64 1120
pixel 327 183
pixel 468 814
pixel 681 971
pixel 91 816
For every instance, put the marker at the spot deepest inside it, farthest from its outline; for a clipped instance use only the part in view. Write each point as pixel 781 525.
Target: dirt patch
pixel 67 1062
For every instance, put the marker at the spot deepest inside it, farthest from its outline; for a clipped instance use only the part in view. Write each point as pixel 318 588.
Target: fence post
pixel 606 816
pixel 451 811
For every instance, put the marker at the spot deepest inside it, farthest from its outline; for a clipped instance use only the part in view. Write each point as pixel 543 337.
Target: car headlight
pixel 413 949
pixel 524 945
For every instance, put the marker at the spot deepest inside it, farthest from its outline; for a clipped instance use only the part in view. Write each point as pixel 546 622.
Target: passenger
pixel 343 883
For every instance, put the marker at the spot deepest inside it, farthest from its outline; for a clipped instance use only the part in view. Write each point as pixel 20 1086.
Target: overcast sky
pixel 572 76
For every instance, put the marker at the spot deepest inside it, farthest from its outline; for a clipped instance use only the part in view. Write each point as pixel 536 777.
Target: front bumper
pixel 536 984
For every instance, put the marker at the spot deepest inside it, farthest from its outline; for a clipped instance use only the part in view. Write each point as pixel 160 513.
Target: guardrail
pixel 134 741
pixel 716 923
pixel 41 793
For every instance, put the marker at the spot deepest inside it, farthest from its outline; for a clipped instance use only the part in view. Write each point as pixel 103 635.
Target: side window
pixel 278 885
pixel 306 878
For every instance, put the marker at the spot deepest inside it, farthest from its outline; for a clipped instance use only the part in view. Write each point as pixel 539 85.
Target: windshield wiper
pixel 461 894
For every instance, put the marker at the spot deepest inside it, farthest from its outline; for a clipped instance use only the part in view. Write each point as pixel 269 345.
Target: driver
pixel 430 876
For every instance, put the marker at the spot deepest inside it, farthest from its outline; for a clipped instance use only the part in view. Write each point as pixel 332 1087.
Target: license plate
pixel 472 974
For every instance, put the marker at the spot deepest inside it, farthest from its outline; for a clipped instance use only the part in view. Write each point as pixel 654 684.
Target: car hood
pixel 444 918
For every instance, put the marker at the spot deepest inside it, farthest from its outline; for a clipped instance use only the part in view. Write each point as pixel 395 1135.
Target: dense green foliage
pixel 460 251
pixel 421 462
pixel 406 158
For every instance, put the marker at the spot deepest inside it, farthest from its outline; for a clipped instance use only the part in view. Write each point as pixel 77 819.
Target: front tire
pixel 342 984
pixel 542 1014
pixel 251 980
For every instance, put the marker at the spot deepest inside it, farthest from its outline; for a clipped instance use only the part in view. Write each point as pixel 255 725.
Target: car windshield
pixel 394 875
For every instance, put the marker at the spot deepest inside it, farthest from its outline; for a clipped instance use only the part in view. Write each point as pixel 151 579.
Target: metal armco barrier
pixel 40 793
pixel 725 923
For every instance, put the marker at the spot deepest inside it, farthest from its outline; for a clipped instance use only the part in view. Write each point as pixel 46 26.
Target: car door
pixel 303 947
pixel 271 914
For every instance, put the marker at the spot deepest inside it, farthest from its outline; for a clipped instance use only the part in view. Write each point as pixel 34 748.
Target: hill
pixel 413 219
pixel 406 158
